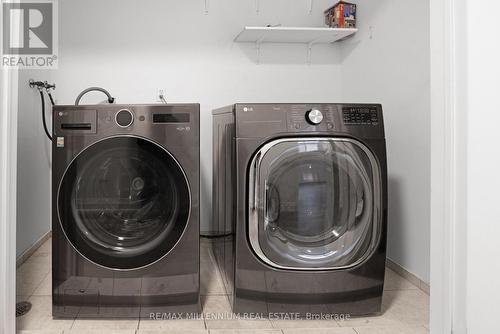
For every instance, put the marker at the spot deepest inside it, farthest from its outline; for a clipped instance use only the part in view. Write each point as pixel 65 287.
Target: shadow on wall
pixel 395 218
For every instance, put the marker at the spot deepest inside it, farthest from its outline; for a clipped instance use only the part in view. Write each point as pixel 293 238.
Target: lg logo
pixel 28 28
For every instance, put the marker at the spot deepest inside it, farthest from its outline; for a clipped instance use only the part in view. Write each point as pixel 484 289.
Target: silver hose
pixel 91 89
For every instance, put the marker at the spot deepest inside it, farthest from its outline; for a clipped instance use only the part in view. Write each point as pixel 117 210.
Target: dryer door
pixel 314 203
pixel 124 202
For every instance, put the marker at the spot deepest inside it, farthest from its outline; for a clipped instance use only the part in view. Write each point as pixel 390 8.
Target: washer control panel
pixel 360 115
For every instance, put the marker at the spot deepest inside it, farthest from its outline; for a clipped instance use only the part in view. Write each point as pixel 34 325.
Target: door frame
pixel 8 197
pixel 448 48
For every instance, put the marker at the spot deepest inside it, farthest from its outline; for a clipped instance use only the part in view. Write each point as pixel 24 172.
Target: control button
pixel 329 126
pixel 142 118
pixel 124 118
pixel 314 116
pixel 297 126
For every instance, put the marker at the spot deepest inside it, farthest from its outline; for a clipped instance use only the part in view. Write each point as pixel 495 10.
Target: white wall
pixel 132 48
pixel 388 61
pixel 483 161
pixel 33 165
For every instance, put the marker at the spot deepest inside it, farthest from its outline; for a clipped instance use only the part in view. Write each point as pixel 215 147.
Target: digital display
pixel 171 118
pixel 360 115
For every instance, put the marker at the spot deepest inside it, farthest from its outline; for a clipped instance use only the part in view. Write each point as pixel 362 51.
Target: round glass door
pixel 314 203
pixel 124 202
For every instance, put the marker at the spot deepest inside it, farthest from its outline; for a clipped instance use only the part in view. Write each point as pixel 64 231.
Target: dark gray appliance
pixel 300 205
pixel 125 220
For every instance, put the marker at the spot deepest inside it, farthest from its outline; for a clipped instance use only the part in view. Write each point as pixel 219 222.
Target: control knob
pixel 314 116
pixel 124 118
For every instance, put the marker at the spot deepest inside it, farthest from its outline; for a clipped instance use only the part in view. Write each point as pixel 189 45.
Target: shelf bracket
pixel 207 6
pixel 372 28
pixel 309 50
pixel 257 46
pixel 311 5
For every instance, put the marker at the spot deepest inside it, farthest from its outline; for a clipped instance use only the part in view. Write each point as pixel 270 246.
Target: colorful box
pixel 341 15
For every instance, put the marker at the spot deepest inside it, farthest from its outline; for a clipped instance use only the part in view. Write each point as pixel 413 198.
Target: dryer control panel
pixel 267 119
pixel 302 117
pixel 360 115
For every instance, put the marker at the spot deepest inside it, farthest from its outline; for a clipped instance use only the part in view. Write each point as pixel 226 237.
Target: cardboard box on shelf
pixel 341 15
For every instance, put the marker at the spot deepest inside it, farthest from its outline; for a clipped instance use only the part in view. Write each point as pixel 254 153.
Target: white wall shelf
pixel 299 35
pixel 305 35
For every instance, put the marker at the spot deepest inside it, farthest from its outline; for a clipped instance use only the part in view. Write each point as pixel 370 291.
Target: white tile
pixel 30 275
pixel 410 307
pixel 238 324
pixel 371 321
pixel 405 309
pixel 40 316
pixel 210 279
pixel 304 324
pixel 40 258
pixel 107 324
pixel 171 325
pixel 21 298
pixel 41 331
pixel 174 331
pixel 338 330
pixel 216 305
pixel 391 330
pixel 400 308
pixel 218 315
pixel 245 331
pixel 45 288
pixel 45 248
pixel 99 331
pixel 393 281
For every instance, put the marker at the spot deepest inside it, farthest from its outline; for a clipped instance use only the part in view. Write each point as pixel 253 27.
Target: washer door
pixel 314 203
pixel 124 202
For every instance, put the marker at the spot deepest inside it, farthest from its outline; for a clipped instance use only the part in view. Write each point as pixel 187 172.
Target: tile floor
pixel 405 309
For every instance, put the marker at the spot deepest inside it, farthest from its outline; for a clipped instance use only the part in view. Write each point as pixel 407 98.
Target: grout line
pixel 274 325
pixel 40 284
pixel 74 320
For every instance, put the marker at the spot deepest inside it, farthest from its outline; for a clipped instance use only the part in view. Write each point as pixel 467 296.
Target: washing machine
pixel 125 226
pixel 300 208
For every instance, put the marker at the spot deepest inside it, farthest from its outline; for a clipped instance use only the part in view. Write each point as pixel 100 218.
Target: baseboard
pixel 30 251
pixel 425 287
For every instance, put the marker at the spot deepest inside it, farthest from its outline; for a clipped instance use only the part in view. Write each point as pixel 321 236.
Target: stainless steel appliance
pixel 300 205
pixel 125 210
